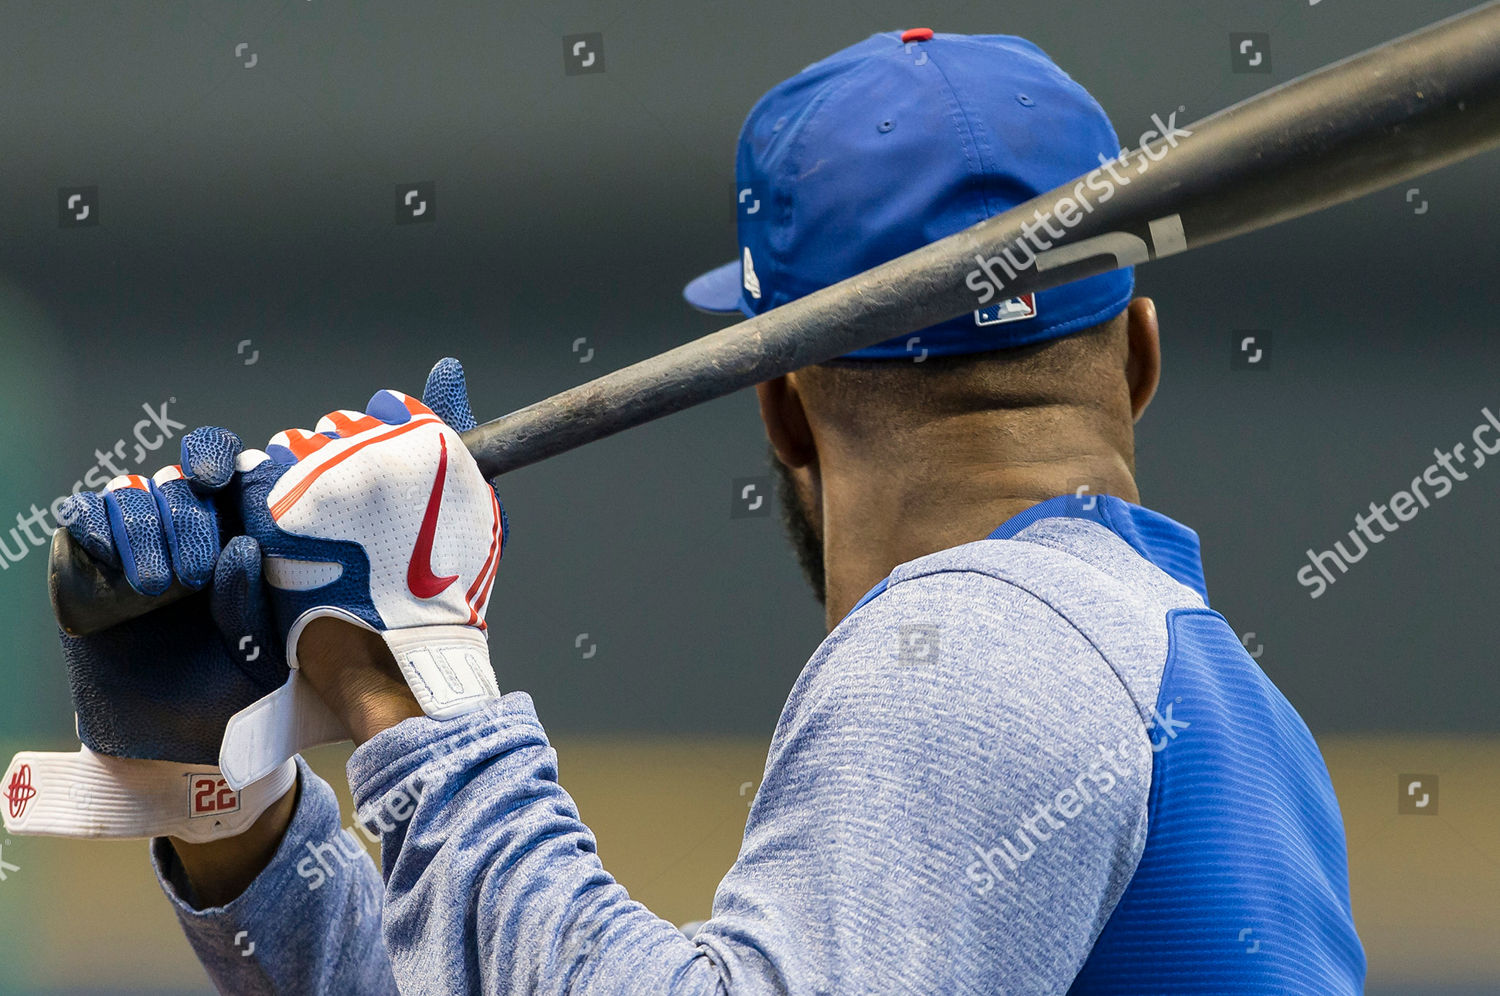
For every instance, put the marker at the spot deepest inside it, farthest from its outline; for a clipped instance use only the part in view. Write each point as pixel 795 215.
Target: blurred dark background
pixel 247 264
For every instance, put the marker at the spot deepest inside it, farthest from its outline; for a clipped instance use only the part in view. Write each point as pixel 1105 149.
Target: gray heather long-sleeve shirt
pixel 1037 763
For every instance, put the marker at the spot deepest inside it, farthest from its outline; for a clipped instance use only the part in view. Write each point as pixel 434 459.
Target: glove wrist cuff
pixel 447 667
pixel 97 796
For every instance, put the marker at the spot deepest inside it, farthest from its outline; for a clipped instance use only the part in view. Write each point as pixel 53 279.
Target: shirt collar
pixel 1166 543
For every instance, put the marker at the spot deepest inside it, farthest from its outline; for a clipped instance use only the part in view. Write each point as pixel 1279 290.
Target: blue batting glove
pixel 153 695
pixel 162 686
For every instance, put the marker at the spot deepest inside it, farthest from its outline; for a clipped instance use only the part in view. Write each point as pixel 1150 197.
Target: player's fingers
pixel 208 455
pixel 256 475
pixel 87 521
pixel 344 423
pixel 251 461
pixel 136 525
pixel 448 396
pixel 255 470
pixel 290 445
pixel 240 611
pixel 191 525
pixel 395 408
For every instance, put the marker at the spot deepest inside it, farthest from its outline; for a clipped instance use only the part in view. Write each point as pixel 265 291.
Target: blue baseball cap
pixel 899 141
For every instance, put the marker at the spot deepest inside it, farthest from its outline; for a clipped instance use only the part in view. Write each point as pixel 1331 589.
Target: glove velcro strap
pixel 447 667
pixel 97 796
pixel 262 736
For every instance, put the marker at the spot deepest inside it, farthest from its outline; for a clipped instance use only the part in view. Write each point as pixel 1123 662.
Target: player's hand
pixel 380 520
pixel 153 695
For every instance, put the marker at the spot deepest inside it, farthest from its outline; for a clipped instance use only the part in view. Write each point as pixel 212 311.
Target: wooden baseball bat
pixel 1375 119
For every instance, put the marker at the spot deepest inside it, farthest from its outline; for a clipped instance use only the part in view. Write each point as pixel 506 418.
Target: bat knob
pixel 89 597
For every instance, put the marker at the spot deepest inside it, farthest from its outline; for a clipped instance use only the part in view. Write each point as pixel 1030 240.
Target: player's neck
pixel 875 518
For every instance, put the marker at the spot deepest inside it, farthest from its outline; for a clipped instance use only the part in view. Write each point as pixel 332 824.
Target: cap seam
pixel 1045 61
pixel 815 108
pixel 984 156
pixel 794 162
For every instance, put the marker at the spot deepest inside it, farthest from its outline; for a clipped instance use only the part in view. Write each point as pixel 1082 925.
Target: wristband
pixel 88 795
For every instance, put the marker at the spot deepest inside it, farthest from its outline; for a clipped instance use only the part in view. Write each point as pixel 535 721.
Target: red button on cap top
pixel 916 34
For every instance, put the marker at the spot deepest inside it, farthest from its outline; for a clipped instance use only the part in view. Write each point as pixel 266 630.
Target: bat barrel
pixel 1369 121
pixel 1396 111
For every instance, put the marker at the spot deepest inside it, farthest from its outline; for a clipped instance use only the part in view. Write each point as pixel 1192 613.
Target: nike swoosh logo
pixel 419 577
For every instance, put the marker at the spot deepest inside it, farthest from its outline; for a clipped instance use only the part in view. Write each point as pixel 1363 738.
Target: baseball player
pixel 1028 758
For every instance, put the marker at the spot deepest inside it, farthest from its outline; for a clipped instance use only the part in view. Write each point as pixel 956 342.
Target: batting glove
pixel 382 519
pixel 152 695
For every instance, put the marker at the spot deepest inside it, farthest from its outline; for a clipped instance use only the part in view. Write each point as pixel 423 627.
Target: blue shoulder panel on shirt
pixel 1169 545
pixel 1243 885
pixel 879 587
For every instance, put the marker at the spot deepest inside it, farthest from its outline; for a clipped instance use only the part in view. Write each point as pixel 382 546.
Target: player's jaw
pixel 801 523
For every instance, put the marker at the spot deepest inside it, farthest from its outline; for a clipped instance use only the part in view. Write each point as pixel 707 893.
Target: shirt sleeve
pixel 308 924
pixel 954 800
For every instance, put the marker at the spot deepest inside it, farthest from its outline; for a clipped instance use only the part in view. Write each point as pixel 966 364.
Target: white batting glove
pixel 381 519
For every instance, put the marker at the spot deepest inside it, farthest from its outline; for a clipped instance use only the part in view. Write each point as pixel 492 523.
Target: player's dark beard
pixel 799 529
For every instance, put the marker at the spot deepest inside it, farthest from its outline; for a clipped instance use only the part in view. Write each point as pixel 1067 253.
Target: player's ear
pixel 786 421
pixel 1143 365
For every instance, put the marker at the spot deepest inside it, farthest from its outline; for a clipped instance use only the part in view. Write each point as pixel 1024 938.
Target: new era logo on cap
pixel 752 282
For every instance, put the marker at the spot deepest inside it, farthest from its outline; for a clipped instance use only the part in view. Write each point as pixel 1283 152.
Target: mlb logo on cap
pixel 1014 310
pixel 894 143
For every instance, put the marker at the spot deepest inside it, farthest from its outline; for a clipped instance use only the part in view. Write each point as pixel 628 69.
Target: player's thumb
pixel 242 613
pixel 448 396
